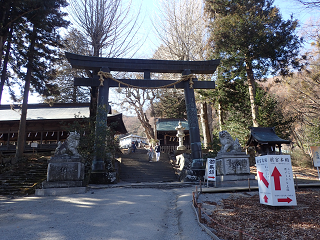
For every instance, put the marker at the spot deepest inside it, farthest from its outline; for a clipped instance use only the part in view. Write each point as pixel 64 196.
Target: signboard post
pixel 316 157
pixel 34 145
pixel 275 180
pixel 210 174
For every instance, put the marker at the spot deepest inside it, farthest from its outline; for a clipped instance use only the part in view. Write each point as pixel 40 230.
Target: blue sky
pixel 148 10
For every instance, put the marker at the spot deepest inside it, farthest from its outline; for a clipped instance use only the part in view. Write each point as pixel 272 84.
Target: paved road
pixel 111 213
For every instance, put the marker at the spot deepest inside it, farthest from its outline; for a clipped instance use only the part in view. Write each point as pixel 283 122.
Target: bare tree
pixel 181 28
pixel 139 100
pixel 110 29
pixel 108 25
pixel 310 3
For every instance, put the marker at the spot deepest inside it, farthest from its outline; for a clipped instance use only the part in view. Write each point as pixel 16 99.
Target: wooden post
pixel 199 214
pixel 41 138
pixel 240 234
pixel 8 140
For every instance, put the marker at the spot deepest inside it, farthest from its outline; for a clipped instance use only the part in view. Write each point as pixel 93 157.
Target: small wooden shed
pixel 265 140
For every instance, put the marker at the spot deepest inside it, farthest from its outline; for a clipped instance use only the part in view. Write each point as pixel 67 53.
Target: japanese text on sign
pixel 210 174
pixel 276 186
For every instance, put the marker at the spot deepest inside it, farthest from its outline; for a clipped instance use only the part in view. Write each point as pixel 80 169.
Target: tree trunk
pixel 205 124
pixel 94 90
pixel 210 121
pixel 145 124
pixel 220 116
pixel 2 40
pixel 5 65
pixel 252 94
pixel 23 121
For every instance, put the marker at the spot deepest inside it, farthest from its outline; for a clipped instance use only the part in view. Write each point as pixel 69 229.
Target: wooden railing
pixel 168 149
pixel 28 148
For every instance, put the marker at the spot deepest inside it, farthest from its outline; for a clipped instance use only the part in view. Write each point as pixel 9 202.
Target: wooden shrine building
pixel 166 133
pixel 265 140
pixel 46 125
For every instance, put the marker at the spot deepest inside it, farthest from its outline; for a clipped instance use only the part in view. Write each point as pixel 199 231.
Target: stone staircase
pixel 136 168
pixel 23 178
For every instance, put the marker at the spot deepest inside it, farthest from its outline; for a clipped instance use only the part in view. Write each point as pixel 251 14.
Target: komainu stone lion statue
pixel 69 147
pixel 228 144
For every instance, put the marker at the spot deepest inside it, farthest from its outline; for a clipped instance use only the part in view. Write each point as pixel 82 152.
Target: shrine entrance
pixel 103 80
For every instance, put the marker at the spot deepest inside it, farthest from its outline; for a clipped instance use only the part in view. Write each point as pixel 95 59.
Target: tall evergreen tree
pixel 12 14
pixel 42 39
pixel 171 105
pixel 252 36
pixel 73 42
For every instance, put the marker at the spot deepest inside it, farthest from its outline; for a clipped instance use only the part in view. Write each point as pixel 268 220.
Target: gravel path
pixel 112 213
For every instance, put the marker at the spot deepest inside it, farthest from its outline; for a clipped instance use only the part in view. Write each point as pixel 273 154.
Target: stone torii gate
pixel 102 66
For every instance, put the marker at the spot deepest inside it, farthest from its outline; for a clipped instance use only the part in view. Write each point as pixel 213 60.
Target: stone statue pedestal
pixel 65 173
pixel 71 169
pixel 233 167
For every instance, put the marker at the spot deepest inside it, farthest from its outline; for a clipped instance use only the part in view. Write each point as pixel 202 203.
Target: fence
pixel 168 149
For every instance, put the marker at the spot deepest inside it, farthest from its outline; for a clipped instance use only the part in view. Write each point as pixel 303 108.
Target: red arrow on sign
pixel 265 198
pixel 276 175
pixel 212 177
pixel 288 200
pixel 263 179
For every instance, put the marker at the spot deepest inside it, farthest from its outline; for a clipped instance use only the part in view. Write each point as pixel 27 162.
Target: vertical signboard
pixel 275 180
pixel 210 174
pixel 316 156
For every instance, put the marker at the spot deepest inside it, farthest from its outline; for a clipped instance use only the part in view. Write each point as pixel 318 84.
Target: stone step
pixel 24 179
pixel 136 168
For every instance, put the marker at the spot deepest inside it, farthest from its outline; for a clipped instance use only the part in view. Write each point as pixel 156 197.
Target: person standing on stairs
pixel 157 150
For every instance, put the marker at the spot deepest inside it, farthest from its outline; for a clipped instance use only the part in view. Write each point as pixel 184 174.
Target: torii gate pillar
pixel 192 115
pixel 98 164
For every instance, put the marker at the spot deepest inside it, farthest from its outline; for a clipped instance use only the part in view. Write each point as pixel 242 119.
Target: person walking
pixel 157 150
pixel 133 146
pixel 150 153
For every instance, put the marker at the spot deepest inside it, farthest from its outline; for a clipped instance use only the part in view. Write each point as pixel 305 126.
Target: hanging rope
pixel 104 75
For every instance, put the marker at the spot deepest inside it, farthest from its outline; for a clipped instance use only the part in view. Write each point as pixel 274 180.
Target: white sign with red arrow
pixel 275 180
pixel 210 174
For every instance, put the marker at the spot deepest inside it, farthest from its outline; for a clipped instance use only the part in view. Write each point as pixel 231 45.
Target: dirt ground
pixel 241 216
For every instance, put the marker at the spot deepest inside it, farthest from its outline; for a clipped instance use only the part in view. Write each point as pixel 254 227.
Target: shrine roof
pixel 265 136
pixel 59 112
pixel 45 112
pixel 170 124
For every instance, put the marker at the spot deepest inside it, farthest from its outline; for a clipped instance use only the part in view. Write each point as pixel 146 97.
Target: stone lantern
pixel 180 135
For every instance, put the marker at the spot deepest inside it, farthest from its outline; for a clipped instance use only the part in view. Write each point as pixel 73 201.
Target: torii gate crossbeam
pixel 146 66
